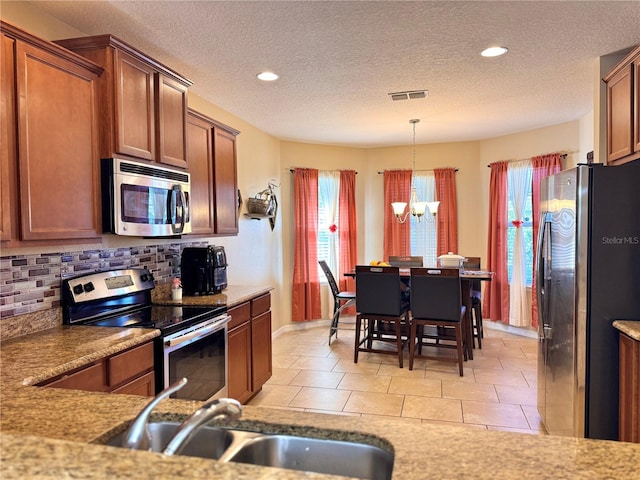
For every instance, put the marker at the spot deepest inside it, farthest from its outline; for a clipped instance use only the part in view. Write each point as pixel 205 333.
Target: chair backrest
pixel 330 278
pixel 378 290
pixel 404 261
pixel 436 293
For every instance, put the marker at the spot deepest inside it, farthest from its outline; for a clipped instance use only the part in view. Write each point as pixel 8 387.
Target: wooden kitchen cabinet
pixel 214 186
pixel 226 181
pixel 629 415
pixel 200 159
pixel 7 138
pixel 239 353
pixel 250 352
pixel 50 186
pixel 130 372
pixel 261 361
pixel 623 110
pixel 143 104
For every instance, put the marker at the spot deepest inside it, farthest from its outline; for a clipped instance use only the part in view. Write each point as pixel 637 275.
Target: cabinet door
pixel 57 147
pixel 636 115
pixel 629 415
pixel 239 363
pixel 226 183
pixel 620 115
pixel 90 379
pixel 135 107
pixel 7 138
pixel 172 122
pixel 261 347
pixel 144 386
pixel 200 159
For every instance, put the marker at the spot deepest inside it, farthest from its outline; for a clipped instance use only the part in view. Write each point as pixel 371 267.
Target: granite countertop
pixel 629 327
pixel 230 296
pixel 56 433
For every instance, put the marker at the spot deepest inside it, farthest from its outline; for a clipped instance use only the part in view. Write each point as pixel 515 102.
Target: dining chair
pixel 341 300
pixel 382 309
pixel 473 263
pixel 436 302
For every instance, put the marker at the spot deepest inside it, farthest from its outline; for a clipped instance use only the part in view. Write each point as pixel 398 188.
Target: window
pixel 519 187
pixel 328 245
pixel 424 233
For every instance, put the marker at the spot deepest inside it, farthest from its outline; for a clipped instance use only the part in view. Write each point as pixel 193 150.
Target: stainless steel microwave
pixel 143 200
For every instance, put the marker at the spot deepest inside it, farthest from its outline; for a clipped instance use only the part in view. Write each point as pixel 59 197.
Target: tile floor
pixel 497 392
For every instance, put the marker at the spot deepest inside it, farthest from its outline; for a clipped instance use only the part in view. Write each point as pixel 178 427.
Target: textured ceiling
pixel 338 60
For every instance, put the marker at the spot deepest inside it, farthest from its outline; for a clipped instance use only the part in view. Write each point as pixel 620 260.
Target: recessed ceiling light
pixel 267 76
pixel 494 51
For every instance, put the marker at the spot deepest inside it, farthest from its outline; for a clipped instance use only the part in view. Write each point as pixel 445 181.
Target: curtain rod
pixel 563 155
pixel 382 172
pixel 294 169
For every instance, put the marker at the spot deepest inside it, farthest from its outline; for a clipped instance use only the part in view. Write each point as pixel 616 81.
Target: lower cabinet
pixel 130 371
pixel 250 358
pixel 629 423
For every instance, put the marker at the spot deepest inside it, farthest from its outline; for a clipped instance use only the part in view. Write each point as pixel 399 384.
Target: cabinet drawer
pixel 92 379
pixel 260 305
pixel 239 314
pixel 143 386
pixel 129 364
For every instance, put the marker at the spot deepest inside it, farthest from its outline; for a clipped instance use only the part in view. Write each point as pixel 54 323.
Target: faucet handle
pixel 217 409
pixel 138 436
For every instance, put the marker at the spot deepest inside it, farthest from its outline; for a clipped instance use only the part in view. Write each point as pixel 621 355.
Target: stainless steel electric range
pixel 193 341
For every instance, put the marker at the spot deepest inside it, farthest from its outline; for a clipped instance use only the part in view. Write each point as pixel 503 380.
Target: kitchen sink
pixel 208 442
pixel 295 452
pixel 333 457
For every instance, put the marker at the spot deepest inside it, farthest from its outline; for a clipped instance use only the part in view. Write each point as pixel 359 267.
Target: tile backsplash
pixel 32 283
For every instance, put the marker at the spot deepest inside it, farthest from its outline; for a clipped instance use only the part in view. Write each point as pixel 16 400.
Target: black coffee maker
pixel 203 270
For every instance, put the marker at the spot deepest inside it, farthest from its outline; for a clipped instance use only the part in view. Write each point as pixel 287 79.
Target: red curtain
pixel 543 166
pixel 306 282
pixel 495 302
pixel 447 210
pixel 397 188
pixel 348 239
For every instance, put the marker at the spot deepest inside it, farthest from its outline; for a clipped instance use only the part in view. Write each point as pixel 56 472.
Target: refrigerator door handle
pixel 543 249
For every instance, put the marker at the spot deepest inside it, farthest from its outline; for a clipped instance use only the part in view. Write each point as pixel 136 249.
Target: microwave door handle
pixel 177 210
pixel 186 208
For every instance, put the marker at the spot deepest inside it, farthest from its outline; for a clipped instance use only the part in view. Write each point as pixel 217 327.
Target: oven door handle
pixel 198 333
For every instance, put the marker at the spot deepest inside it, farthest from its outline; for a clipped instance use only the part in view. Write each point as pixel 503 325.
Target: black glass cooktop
pixel 168 319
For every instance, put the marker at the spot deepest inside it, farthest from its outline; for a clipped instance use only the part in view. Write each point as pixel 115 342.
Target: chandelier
pixel 416 207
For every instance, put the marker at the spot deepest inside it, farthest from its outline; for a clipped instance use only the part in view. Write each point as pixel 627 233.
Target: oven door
pixel 198 353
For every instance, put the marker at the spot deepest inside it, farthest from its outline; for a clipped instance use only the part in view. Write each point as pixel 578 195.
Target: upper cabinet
pixel 226 182
pixel 143 104
pixel 214 184
pixel 623 110
pixel 49 165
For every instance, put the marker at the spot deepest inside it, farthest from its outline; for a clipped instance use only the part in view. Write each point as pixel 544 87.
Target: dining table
pixel 466 277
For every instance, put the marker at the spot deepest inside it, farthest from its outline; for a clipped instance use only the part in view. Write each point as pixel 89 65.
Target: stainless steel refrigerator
pixel 588 275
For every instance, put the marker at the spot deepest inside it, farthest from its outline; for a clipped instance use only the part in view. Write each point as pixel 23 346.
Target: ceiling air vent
pixel 411 95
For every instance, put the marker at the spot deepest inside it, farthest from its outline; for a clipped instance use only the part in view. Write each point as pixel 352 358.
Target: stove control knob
pixel 146 277
pixel 77 290
pixel 88 287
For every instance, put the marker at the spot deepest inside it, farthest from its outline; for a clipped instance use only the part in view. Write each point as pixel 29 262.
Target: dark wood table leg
pixel 468 325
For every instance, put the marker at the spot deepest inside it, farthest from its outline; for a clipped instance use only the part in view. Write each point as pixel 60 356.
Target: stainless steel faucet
pixel 138 436
pixel 219 409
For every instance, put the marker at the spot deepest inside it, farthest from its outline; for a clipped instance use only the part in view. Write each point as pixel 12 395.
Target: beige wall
pixel 461 155
pixel 261 256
